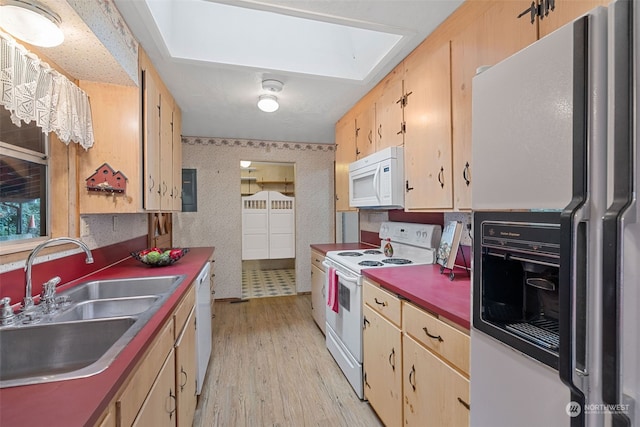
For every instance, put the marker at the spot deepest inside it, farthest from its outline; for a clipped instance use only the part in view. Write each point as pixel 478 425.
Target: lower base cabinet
pixel 382 355
pixel 434 393
pixel 416 365
pixel 318 292
pixel 161 389
pixel 159 408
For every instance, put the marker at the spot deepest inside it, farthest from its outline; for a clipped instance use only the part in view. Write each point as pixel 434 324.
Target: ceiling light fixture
pixel 31 22
pixel 269 103
pixel 245 163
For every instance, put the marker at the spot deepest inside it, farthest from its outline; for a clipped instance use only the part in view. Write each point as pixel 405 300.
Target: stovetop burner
pixel 373 252
pixel 397 261
pixel 368 263
pixel 350 254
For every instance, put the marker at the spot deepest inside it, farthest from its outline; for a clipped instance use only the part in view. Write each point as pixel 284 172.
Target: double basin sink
pixel 83 338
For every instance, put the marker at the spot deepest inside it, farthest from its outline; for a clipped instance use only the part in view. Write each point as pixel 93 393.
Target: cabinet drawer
pixel 183 310
pixel 446 341
pixel 383 302
pixel 316 259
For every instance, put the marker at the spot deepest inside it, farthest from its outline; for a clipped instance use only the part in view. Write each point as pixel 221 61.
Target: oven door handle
pixel 352 279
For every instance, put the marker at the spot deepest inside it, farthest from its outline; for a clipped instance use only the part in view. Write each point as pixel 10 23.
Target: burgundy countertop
pixel 327 247
pixel 80 402
pixel 424 286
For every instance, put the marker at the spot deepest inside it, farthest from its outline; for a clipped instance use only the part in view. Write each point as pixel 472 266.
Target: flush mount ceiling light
pixel 269 103
pixel 245 163
pixel 31 22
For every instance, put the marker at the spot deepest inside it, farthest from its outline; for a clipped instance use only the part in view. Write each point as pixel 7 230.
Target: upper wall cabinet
pixel 427 140
pixel 116 126
pixel 345 154
pixel 161 134
pixel 494 36
pixel 389 106
pixel 365 114
pixel 564 12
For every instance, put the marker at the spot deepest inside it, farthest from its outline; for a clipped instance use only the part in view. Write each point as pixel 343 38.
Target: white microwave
pixel 377 181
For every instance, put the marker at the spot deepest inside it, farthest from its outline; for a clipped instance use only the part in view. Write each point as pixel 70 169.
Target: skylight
pixel 201 30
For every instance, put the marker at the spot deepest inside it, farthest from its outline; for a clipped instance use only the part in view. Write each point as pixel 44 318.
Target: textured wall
pixel 218 220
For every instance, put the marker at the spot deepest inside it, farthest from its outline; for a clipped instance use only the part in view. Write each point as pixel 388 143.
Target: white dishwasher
pixel 203 324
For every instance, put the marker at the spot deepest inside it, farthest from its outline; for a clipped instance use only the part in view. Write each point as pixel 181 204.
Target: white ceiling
pixel 214 67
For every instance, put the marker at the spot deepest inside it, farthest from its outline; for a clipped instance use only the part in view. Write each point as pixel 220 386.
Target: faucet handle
pixel 7 317
pixel 48 295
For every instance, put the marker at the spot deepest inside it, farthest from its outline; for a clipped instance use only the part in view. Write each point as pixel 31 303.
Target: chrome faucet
pixel 28 298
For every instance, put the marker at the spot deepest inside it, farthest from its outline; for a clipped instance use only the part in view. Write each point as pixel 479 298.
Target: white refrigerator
pixel 555 130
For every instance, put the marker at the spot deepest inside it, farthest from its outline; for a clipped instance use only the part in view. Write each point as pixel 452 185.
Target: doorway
pixel 268 269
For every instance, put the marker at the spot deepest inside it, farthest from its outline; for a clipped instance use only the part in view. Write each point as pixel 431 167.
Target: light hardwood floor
pixel 270 367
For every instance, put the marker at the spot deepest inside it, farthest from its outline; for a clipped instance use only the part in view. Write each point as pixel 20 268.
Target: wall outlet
pixel 84 228
pixel 115 223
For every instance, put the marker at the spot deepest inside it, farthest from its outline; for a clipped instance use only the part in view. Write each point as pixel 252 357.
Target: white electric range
pixel 402 244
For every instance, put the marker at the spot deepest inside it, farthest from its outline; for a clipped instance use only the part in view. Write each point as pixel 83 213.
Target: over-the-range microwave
pixel 376 181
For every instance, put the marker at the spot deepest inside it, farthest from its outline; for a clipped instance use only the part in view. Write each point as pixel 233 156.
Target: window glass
pixel 23 180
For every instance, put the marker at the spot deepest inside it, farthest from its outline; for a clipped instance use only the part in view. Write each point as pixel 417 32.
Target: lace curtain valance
pixel 32 91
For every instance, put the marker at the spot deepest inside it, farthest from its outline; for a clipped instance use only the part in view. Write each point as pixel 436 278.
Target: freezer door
pixel 621 237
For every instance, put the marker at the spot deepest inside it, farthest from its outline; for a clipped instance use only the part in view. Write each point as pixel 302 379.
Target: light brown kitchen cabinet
pixel 115 111
pixel 108 418
pixel 345 155
pixel 162 153
pixel 159 408
pixel 365 127
pixel 318 290
pixel 427 139
pixel 382 354
pixel 434 393
pixel 156 392
pixel 388 111
pixel 566 11
pixel 185 371
pixel 487 40
pixel 212 288
pixel 177 158
pixel 436 370
pixel 130 401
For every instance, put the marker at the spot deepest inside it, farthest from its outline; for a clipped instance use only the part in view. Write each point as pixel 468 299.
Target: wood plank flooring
pixel 270 367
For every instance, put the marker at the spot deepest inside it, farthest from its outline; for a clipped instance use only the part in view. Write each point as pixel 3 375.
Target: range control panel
pixel 422 235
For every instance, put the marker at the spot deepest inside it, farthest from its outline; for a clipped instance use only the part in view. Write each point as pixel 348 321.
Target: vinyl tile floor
pixel 268 283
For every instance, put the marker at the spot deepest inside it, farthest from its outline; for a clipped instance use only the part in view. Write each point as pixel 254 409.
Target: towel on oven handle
pixel 332 292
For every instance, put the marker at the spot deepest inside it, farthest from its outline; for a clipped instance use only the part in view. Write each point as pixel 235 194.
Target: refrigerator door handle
pixel 573 239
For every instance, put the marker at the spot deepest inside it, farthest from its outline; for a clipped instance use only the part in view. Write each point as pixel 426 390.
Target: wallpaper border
pixel 250 143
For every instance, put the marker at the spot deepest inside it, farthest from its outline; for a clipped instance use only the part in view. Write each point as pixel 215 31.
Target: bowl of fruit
pixel 159 257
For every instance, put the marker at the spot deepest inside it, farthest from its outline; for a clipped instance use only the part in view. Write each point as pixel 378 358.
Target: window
pixel 23 180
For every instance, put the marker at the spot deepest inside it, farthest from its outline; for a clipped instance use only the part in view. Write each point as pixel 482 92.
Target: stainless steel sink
pixel 96 309
pixel 50 352
pixel 82 339
pixel 122 288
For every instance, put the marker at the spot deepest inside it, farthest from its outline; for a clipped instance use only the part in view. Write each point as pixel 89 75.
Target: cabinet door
pixel 166 152
pixel 151 122
pixel 116 144
pixel 427 141
pixel 159 408
pixel 566 11
pixel 382 361
pixel 345 155
pixel 486 41
pixel 389 118
pixel 177 159
pixel 434 393
pixel 365 133
pixel 318 298
pixel 186 372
